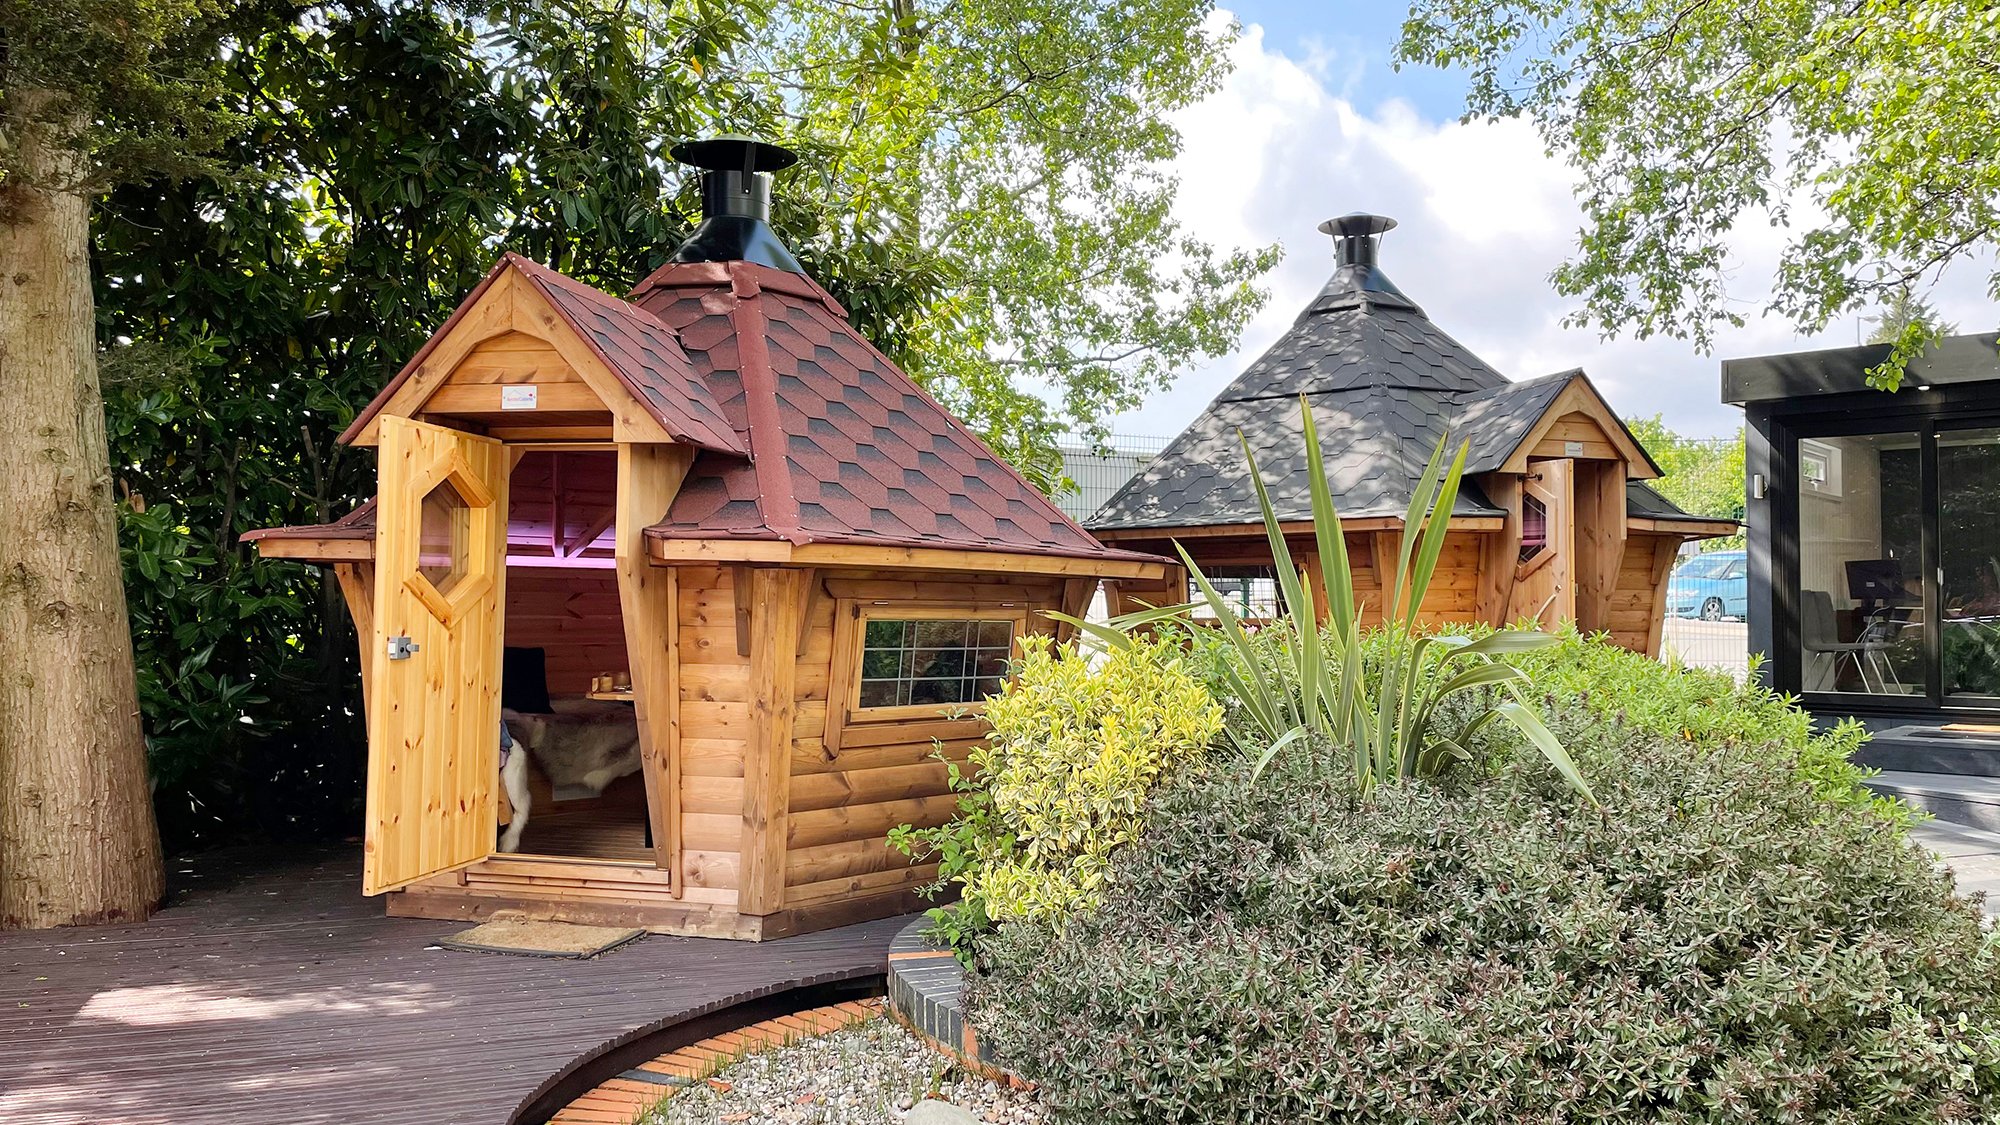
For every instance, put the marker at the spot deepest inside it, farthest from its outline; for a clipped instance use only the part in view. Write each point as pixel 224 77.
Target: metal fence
pixel 1100 471
pixel 1723 645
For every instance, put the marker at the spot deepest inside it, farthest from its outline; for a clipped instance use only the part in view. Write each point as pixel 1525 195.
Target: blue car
pixel 1711 586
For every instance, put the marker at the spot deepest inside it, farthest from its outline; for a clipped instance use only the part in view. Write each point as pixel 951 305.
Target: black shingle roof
pixel 1385 384
pixel 1643 501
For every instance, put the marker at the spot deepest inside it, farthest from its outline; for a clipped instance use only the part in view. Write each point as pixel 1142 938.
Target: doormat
pixel 541 939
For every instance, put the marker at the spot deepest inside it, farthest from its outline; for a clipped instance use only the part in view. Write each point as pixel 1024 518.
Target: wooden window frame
pixel 850 621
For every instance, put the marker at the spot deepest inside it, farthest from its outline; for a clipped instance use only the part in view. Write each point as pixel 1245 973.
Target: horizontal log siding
pixel 714 728
pixel 886 774
pixel 573 616
pixel 1639 598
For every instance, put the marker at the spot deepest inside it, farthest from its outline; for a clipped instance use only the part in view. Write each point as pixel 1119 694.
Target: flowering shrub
pixel 1715 943
pixel 1061 782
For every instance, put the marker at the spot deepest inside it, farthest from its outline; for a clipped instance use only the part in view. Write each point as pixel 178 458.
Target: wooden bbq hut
pixel 809 570
pixel 1554 521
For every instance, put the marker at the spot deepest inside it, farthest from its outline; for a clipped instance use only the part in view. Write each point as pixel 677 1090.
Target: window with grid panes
pixel 913 661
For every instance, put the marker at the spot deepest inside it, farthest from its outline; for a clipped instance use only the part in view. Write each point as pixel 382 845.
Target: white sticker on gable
pixel 1570 448
pixel 517 398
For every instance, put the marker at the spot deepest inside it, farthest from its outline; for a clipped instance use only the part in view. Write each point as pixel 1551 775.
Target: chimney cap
pixel 733 152
pixel 1357 223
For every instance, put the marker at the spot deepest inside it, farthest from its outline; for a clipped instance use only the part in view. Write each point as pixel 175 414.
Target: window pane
pixel 1861 610
pixel 933 661
pixel 1534 527
pixel 886 634
pixel 1250 592
pixel 878 693
pixel 444 540
pixel 1969 559
pixel 881 664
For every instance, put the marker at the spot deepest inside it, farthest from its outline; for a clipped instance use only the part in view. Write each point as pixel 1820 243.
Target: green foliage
pixel 1378 702
pixel 1863 128
pixel 1714 944
pixel 1061 782
pixel 1706 708
pixel 391 151
pixel 1901 309
pixel 248 316
pixel 1018 149
pixel 130 85
pixel 1705 476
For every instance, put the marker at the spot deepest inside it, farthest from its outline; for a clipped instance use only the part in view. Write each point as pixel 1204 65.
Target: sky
pixel 1314 122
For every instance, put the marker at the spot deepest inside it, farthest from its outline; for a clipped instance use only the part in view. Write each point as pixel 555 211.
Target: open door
pixel 1545 578
pixel 434 714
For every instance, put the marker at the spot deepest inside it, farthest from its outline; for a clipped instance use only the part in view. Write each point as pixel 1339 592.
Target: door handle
pixel 400 648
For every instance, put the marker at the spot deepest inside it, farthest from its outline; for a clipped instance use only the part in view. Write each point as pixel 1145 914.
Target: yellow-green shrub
pixel 1062 781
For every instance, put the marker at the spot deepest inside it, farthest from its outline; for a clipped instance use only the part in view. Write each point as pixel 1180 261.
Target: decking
pixel 274 994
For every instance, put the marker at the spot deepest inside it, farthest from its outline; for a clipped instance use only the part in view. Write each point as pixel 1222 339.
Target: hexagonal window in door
pixel 444 542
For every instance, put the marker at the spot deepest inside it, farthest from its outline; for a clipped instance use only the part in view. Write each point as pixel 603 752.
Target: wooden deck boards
pixel 274 994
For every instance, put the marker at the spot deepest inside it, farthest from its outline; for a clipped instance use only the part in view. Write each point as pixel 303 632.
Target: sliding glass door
pixel 1897 565
pixel 1968 546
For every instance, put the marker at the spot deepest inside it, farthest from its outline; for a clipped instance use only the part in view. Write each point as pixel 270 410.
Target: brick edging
pixel 628 1095
pixel 926 995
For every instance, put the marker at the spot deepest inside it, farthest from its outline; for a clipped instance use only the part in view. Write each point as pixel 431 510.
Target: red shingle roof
pixel 638 350
pixel 645 356
pixel 844 447
pixel 807 433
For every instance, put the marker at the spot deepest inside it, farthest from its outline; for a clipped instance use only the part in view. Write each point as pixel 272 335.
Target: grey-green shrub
pixel 1717 944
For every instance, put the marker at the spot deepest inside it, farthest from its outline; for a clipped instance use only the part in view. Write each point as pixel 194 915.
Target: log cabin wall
pixel 713 733
pixel 1453 597
pixel 573 616
pixel 847 785
pixel 1639 600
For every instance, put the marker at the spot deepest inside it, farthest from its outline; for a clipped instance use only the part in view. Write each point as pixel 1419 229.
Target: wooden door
pixel 1544 579
pixel 434 713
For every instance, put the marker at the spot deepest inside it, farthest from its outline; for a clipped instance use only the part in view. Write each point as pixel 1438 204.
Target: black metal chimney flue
pixel 1355 236
pixel 1357 280
pixel 736 202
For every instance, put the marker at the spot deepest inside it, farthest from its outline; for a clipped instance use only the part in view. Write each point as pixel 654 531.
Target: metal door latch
pixel 400 648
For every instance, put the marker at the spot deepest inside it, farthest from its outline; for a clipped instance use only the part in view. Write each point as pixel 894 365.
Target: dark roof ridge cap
pixel 1366 302
pixel 1034 493
pixel 763 425
pixel 1466 398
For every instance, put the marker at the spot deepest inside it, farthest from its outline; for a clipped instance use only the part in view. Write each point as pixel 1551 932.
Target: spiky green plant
pixel 1383 717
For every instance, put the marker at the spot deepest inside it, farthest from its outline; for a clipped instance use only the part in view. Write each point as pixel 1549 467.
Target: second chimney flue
pixel 1358 280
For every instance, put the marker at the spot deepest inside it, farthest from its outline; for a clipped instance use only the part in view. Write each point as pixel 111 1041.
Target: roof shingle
pixel 1385 385
pixel 853 451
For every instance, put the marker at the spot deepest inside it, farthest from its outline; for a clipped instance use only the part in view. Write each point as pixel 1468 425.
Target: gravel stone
pixel 874 1073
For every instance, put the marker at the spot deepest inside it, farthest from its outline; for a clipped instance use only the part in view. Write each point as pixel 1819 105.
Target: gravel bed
pixel 870 1074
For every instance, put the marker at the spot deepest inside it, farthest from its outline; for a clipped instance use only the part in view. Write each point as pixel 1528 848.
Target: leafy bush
pixel 1716 944
pixel 1708 708
pixel 1075 749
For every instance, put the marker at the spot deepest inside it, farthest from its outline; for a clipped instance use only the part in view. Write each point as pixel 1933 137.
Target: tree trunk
pixel 78 842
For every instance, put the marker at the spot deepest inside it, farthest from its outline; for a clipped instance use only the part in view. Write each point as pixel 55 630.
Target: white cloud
pixel 1485 215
